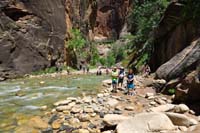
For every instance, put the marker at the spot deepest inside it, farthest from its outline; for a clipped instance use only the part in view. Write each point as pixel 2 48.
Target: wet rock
pixel 63 108
pixel 42 82
pixel 163 108
pixel 20 93
pixel 44 107
pixel 53 118
pixel 146 122
pixel 38 123
pixel 56 124
pixel 48 130
pixel 181 108
pixel 63 102
pixel 92 126
pixel 113 119
pixel 181 119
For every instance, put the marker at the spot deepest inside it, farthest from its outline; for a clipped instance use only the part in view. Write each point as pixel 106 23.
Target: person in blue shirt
pixel 130 83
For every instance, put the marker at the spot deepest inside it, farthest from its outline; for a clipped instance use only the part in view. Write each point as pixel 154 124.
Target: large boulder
pixel 181 119
pixel 146 122
pixel 189 89
pixel 114 119
pixel 180 63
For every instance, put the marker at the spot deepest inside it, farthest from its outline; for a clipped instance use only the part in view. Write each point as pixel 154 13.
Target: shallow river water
pixel 22 98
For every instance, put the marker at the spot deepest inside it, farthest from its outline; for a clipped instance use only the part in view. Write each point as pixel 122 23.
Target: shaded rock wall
pixel 32 34
pixel 172 35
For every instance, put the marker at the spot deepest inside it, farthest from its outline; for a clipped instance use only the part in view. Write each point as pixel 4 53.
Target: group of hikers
pixel 118 75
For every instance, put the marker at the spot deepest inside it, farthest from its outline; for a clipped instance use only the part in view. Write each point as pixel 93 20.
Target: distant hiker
pixel 88 69
pixel 130 84
pixel 99 72
pixel 146 70
pixel 114 79
pixel 107 71
pixel 84 68
pixel 68 70
pixel 121 77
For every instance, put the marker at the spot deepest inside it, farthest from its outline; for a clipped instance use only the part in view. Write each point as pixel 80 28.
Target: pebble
pixel 56 124
pixel 152 103
pixel 88 110
pixel 76 110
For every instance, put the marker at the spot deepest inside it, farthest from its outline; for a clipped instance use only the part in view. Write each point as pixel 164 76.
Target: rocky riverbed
pixel 115 112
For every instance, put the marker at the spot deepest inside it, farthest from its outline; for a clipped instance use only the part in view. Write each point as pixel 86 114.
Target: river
pixel 22 98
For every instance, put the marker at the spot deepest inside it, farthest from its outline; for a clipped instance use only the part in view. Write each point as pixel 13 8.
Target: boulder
pixel 189 89
pixel 181 62
pixel 112 102
pixel 163 108
pixel 181 119
pixel 63 108
pixel 181 108
pixel 146 122
pixel 114 119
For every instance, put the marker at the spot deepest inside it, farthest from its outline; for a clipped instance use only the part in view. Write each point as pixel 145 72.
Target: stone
pixel 56 124
pixel 48 130
pixel 76 110
pixel 44 107
pixel 72 104
pixel 53 118
pixel 84 117
pixel 100 95
pixel 42 82
pixel 181 108
pixel 152 103
pixel 72 99
pixel 160 101
pixel 119 108
pixel 38 123
pixel 107 83
pixel 129 108
pixel 198 118
pixel 146 122
pixel 63 102
pixel 63 108
pixel 181 119
pixel 81 131
pixel 149 95
pixel 183 128
pixel 20 93
pixel 112 102
pixel 74 121
pixel 114 119
pixel 192 112
pixel 88 110
pixel 163 108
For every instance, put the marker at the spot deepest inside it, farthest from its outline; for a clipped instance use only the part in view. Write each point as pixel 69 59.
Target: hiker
pixel 121 77
pixel 99 72
pixel 107 71
pixel 68 70
pixel 146 70
pixel 114 79
pixel 88 69
pixel 130 84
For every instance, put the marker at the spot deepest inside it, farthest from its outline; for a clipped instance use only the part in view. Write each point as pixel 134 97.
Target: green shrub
pixel 172 91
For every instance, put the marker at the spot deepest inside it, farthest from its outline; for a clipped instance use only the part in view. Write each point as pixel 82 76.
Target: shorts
pixel 120 80
pixel 114 81
pixel 130 86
